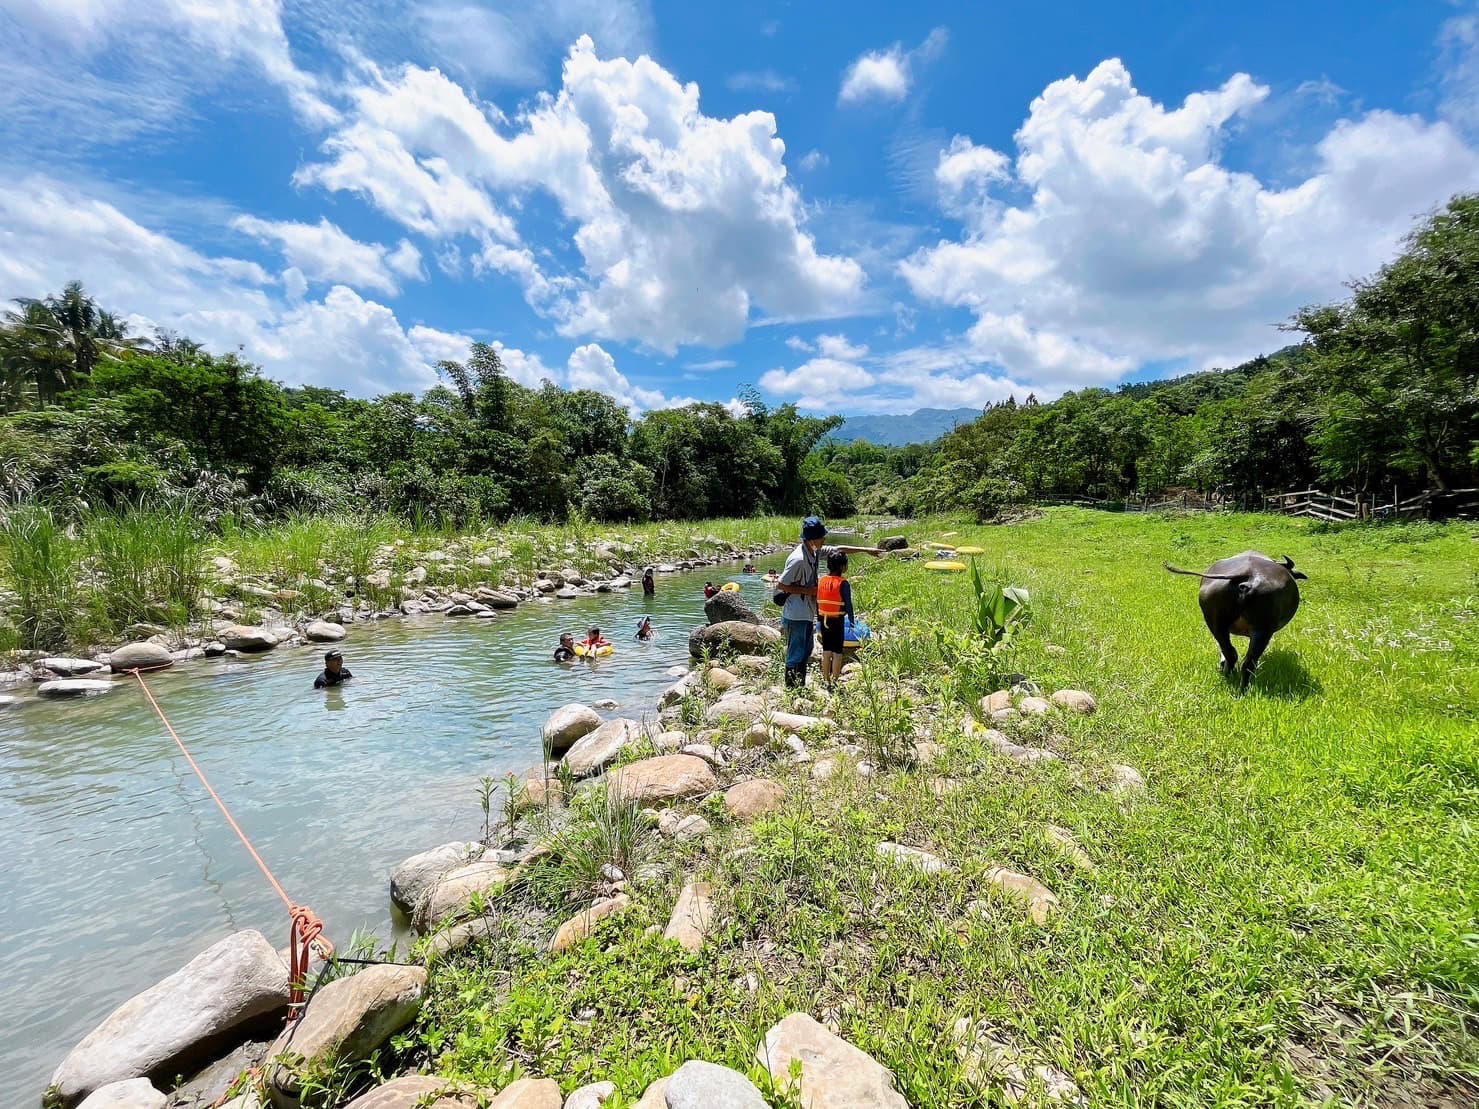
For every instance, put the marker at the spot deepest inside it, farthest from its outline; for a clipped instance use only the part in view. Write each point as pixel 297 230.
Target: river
pixel 119 867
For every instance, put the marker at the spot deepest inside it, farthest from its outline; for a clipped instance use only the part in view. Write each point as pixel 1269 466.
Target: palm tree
pixel 60 339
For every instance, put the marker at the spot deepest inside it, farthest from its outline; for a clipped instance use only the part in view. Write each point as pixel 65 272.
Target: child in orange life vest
pixel 834 608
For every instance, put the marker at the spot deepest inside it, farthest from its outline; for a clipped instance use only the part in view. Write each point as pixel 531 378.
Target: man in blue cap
pixel 799 582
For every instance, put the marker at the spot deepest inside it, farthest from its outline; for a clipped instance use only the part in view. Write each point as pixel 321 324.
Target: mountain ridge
pixel 898 430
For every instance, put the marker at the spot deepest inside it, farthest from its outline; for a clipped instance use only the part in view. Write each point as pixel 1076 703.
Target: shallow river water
pixel 119 868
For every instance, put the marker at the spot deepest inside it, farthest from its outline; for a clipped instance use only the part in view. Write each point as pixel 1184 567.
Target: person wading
pixel 799 582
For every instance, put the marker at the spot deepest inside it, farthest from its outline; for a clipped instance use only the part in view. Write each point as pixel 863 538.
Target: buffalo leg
pixel 1257 643
pixel 1229 652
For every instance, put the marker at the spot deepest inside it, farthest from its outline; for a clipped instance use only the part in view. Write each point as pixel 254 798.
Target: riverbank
pixel 1158 893
pixel 164 577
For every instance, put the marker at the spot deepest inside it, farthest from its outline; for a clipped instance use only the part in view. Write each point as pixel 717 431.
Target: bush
pixel 613 491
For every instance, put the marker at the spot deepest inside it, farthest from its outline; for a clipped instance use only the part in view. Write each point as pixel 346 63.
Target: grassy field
pixel 1287 915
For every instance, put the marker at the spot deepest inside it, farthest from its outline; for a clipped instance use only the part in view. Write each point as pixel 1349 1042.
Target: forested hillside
pixel 1381 390
pixel 1378 391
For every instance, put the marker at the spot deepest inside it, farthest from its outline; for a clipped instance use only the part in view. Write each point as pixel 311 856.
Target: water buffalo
pixel 1248 594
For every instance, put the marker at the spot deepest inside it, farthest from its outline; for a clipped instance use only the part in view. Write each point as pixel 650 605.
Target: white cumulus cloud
pixel 888 74
pixel 323 252
pixel 683 223
pixel 1136 242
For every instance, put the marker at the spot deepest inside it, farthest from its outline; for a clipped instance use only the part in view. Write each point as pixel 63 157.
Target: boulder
pixel 246 637
pixel 795 723
pixel 834 1073
pixel 324 631
pixel 752 665
pixel 344 1023
pixel 655 1096
pixel 727 605
pixel 528 1093
pixel 700 1085
pixel 1077 700
pixel 693 916
pixel 568 593
pixel 134 1093
pixel 736 706
pixel 1040 900
pixel 580 926
pixel 231 987
pixel 995 702
pixel 1128 782
pixel 911 857
pixel 459 610
pixel 1033 706
pixel 705 752
pixel 596 751
pixel 592 1096
pixel 720 680
pixel 209 1086
pixel 450 895
pixel 69 667
pixel 893 543
pixel 74 687
pixel 414 878
pixel 682 829
pixel 680 689
pixel 751 800
pixel 567 724
pixel 496 598
pixel 544 585
pixel 661 779
pixel 415 1091
pixel 737 636
pixel 451 940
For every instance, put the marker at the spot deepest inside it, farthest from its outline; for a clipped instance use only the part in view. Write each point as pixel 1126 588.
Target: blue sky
pixel 862 207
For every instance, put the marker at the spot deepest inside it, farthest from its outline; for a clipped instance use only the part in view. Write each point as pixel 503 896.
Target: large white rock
pixel 454 889
pixel 693 916
pixel 160 1032
pixel 245 637
pixel 662 779
pixel 834 1073
pixel 74 687
pixel 414 878
pixel 591 1096
pixel 135 1093
pixel 528 1093
pixel 140 656
pixel 344 1023
pixel 567 724
pixel 324 631
pixel 596 751
pixel 700 1085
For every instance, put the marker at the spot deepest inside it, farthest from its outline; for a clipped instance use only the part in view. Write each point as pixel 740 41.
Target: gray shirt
pixel 801 569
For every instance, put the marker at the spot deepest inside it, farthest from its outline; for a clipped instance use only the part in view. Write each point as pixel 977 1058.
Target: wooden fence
pixel 1336 507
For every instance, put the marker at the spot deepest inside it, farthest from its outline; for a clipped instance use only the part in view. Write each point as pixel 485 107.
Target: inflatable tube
pixel 938 546
pixel 970 550
pixel 729 587
pixel 937 564
pixel 600 652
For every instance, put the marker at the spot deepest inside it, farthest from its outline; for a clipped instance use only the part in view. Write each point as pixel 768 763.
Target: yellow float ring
pixel 600 652
pixel 941 564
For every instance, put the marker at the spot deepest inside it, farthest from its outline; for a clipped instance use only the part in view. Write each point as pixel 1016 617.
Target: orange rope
pixel 307 928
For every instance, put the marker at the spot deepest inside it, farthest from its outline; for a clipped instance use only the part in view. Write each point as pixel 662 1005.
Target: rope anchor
pixel 306 934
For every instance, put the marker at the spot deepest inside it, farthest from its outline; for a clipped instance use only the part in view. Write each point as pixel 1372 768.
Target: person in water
pixel 834 612
pixel 749 567
pixel 645 629
pixel 565 652
pixel 334 671
pixel 594 639
pixel 649 587
pixel 709 589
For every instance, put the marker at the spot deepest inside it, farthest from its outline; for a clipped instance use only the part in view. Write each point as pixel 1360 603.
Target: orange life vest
pixel 829 595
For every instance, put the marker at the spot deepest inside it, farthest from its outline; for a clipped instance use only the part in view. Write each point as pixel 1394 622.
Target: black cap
pixel 334 653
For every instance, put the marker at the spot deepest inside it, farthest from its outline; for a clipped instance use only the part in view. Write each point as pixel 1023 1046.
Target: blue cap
pixel 813 528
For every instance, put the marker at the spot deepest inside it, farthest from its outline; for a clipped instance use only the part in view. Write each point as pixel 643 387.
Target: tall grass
pixel 145 565
pixel 41 564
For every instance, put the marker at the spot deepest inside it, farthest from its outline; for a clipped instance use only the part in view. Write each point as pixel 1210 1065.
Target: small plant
pixel 486 785
pixel 515 793
pixel 605 832
pixel 999 610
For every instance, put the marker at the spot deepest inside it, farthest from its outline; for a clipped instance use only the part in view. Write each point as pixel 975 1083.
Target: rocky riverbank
pixel 725 748
pixel 254 614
